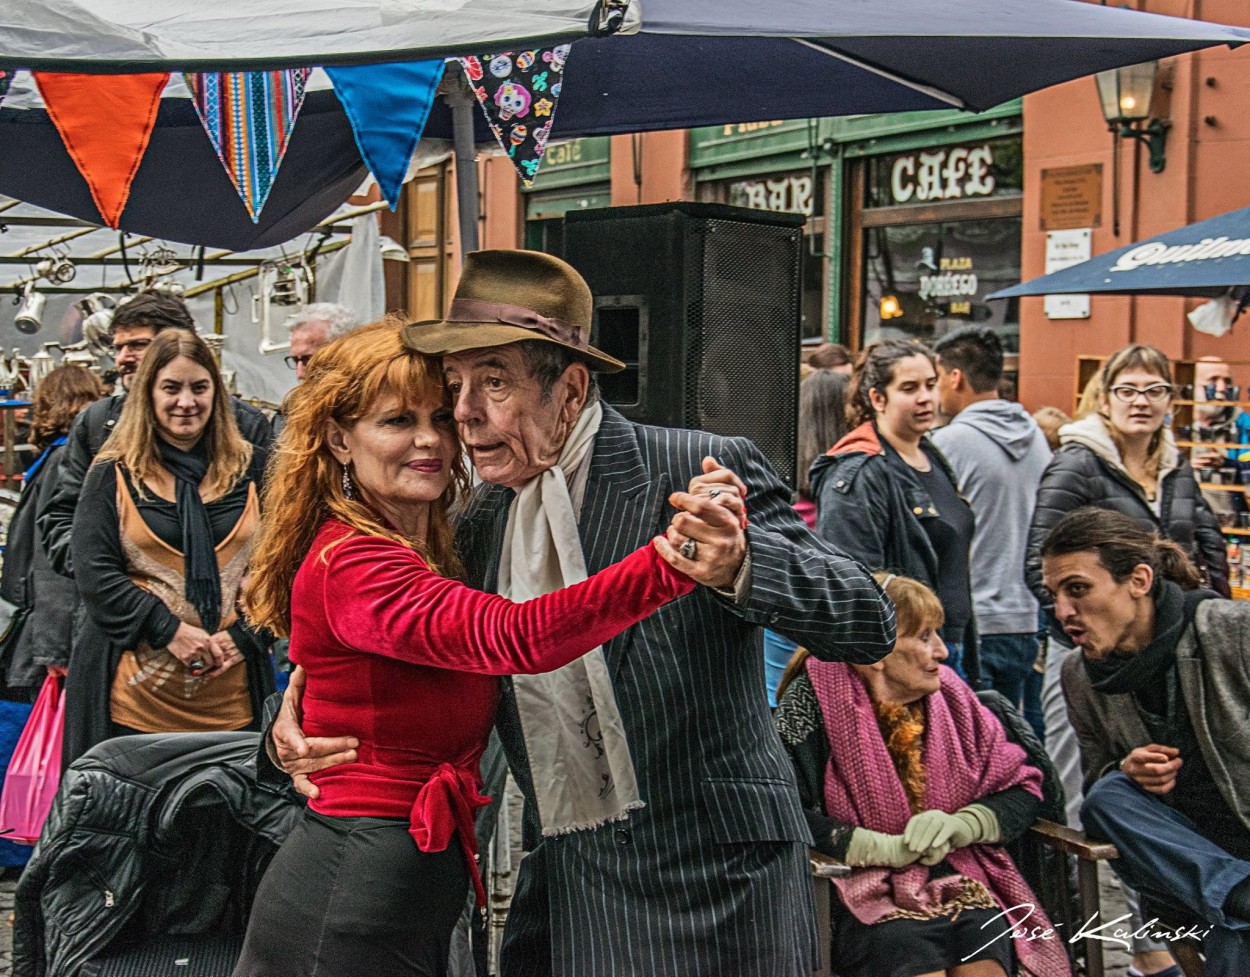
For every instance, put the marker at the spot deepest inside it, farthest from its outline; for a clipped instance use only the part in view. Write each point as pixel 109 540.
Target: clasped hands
pixel 928 838
pixel 711 513
pixel 216 653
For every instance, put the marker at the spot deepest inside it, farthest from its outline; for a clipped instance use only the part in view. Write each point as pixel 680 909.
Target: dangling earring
pixel 349 490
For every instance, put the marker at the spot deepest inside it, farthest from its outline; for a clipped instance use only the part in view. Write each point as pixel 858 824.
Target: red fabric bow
pixel 446 804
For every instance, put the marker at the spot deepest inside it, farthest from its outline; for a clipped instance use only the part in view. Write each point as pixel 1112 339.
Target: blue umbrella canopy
pixel 1206 258
pixel 663 64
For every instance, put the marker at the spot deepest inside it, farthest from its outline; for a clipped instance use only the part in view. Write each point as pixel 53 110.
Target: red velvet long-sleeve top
pixel 403 659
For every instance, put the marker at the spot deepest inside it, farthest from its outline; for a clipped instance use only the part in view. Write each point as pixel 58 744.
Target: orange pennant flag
pixel 105 122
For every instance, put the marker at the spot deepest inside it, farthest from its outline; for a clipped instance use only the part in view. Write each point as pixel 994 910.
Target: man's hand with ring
pixel 297 755
pixel 715 530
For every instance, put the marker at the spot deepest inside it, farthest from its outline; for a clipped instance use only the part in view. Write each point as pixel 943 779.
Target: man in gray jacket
pixel 998 454
pixel 1158 698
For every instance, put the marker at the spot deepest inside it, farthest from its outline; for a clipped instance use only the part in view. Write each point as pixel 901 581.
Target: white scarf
pixel 579 757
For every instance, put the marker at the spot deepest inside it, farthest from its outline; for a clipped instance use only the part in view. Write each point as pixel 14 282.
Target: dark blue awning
pixel 1205 258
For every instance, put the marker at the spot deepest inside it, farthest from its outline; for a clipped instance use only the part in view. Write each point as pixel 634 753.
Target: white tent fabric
pixel 138 33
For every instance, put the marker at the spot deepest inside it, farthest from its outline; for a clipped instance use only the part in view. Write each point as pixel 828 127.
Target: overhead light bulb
pixel 891 308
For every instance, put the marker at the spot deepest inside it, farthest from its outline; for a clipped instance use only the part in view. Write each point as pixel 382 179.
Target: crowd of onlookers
pixel 956 489
pixel 1073 566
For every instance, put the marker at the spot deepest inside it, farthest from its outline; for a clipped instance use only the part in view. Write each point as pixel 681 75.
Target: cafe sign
pixel 943 174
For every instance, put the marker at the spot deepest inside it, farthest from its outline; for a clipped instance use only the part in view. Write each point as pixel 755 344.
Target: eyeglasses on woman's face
pixel 295 362
pixel 1126 393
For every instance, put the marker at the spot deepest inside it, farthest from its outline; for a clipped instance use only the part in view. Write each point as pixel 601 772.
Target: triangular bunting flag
pixel 105 122
pixel 518 92
pixel 388 105
pixel 6 79
pixel 249 115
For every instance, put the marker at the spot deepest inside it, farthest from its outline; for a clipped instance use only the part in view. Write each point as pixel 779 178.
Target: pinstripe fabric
pixel 711 877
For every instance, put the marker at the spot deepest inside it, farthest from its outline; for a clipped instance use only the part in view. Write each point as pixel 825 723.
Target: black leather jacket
pixel 870 505
pixel 149 835
pixel 1079 476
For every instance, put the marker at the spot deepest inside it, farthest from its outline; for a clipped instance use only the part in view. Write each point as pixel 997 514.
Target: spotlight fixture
pixel 30 310
pixel 59 270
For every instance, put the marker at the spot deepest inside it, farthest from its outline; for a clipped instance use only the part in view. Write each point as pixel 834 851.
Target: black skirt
pixel 907 947
pixel 346 897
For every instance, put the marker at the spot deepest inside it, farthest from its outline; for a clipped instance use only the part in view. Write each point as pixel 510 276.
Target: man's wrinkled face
pixel 511 431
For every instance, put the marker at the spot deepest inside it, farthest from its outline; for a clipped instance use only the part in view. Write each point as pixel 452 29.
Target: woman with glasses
pixel 1120 457
pixel 1123 457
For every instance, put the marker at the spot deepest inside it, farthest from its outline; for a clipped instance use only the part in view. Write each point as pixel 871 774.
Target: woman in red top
pixel 356 564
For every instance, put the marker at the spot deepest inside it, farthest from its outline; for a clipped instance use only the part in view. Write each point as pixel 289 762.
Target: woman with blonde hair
pixel 28 580
pixel 162 536
pixel 356 563
pixel 907 778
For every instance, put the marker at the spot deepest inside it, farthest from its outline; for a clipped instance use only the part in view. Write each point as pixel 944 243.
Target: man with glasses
pixel 312 327
pixel 134 326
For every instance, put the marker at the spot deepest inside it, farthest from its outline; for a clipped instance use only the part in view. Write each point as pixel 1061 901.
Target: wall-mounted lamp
pixel 1126 94
pixel 891 307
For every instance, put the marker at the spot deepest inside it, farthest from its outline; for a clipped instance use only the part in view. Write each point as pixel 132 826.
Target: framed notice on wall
pixel 1071 197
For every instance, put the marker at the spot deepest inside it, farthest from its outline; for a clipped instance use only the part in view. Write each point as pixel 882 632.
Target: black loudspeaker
pixel 702 302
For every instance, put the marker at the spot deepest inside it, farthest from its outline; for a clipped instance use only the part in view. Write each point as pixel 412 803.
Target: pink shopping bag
pixel 35 769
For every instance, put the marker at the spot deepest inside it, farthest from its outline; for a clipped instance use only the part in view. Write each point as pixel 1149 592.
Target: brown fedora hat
pixel 510 296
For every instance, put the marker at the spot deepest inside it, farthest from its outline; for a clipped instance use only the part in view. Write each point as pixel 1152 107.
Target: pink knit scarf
pixel 966 757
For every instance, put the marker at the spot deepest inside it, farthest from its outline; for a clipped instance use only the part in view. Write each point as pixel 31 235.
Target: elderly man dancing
pixel 672 838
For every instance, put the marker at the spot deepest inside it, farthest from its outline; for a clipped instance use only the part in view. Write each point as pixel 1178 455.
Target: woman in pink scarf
pixel 910 780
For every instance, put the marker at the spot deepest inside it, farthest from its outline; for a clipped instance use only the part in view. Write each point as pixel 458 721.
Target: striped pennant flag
pixel 249 116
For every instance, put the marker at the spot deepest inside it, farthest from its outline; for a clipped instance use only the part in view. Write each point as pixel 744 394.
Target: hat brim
pixel 437 337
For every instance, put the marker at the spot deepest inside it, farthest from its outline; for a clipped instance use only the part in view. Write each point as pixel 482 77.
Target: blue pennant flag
pixel 387 105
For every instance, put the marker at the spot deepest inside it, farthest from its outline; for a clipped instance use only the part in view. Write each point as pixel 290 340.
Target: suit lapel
pixel 621 507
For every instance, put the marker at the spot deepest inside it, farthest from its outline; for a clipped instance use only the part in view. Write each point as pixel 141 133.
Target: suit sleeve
pixel 801 585
pixel 55 519
pixel 125 612
pixel 381 598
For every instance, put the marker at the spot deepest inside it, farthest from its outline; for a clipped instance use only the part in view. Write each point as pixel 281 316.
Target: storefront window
pixel 922 281
pixel 797 192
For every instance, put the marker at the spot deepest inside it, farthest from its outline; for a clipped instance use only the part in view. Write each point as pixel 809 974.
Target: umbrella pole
pixel 461 99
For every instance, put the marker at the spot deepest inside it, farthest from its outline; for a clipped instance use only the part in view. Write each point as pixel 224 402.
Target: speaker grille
pixel 742 329
pixel 703 304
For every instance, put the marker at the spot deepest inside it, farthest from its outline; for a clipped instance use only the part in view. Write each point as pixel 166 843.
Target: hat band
pixel 475 310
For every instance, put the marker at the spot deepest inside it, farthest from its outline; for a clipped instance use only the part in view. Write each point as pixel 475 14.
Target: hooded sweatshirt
pixel 999 454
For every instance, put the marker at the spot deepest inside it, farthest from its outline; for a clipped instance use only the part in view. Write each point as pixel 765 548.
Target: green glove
pixel 933 834
pixel 875 848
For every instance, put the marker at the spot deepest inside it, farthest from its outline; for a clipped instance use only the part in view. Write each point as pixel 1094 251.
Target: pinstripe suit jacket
pixel 710 878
